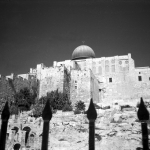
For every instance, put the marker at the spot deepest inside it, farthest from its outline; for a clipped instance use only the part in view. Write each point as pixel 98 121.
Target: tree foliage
pixel 56 99
pixel 79 105
pixel 22 100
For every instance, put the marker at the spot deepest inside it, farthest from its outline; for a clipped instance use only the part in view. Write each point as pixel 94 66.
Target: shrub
pixel 58 100
pixel 67 107
pixel 125 106
pixel 54 111
pixel 77 111
pixel 106 107
pixel 79 105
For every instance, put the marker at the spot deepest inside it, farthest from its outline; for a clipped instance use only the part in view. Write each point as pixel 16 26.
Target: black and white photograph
pixel 74 74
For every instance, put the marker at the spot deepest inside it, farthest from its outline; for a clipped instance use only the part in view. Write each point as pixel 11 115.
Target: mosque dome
pixel 83 52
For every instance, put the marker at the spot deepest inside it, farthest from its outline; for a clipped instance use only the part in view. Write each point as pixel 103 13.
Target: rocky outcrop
pixel 114 130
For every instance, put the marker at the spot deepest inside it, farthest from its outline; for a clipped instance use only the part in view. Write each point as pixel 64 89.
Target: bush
pixel 67 107
pixel 106 107
pixel 79 105
pixel 54 111
pixel 76 111
pixel 125 106
pixel 58 100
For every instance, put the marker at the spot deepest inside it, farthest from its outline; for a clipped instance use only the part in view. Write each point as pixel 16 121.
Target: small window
pixel 75 81
pixel 120 62
pixel 139 72
pixel 140 78
pixel 110 79
pixel 75 87
pixel 149 78
pixel 112 61
pixel 107 62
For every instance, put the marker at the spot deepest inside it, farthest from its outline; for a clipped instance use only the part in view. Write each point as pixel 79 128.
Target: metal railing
pixel 142 114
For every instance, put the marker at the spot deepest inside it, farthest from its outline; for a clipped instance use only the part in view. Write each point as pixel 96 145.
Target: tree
pixel 79 105
pixel 24 99
pixel 57 101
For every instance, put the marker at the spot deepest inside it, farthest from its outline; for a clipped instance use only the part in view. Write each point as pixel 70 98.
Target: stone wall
pixel 126 85
pixel 67 82
pixel 80 86
pixel 113 78
pixel 94 83
pixel 52 81
pixel 9 87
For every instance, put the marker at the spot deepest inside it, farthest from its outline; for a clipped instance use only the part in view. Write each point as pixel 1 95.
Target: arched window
pixel 106 68
pixel 113 68
pixel 113 61
pixel 17 146
pixel 106 62
pixel 100 70
pixel 31 140
pixel 94 69
pixel 27 129
pixel 120 62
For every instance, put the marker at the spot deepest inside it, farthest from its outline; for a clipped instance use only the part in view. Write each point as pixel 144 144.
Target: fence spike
pixel 142 113
pixel 4 116
pixel 91 115
pixel 5 113
pixel 91 112
pixel 46 115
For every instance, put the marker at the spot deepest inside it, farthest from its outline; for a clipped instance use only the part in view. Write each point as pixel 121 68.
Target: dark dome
pixel 83 52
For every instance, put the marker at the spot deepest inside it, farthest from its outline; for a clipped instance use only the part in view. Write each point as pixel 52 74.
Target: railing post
pixel 91 115
pixel 4 117
pixel 46 115
pixel 143 116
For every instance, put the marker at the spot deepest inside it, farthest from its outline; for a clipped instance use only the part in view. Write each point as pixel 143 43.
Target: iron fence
pixel 143 116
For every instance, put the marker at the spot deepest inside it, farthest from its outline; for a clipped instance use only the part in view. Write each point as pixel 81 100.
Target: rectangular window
pixel 75 87
pixel 110 79
pixel 140 78
pixel 149 78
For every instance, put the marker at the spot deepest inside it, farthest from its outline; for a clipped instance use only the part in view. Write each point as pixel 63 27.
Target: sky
pixel 43 31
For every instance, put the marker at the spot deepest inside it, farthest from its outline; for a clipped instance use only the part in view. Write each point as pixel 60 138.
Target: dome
pixel 83 52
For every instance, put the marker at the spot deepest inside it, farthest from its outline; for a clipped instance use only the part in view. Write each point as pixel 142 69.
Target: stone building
pixel 103 79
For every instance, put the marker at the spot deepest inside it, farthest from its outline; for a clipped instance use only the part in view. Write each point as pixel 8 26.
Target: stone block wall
pixel 80 86
pixel 67 82
pixel 126 85
pixel 54 80
pixel 94 88
pixel 8 87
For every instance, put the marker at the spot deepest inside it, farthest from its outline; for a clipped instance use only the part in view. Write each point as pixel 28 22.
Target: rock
pixel 98 137
pixel 117 118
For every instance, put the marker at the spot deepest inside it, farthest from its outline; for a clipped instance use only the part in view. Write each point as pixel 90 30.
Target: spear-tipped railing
pixel 143 116
pixel 91 115
pixel 4 117
pixel 46 115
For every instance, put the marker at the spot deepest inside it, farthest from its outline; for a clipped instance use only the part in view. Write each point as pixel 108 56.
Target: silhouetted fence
pixel 142 114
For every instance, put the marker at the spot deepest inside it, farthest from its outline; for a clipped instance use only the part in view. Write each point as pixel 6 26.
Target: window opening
pixel 140 78
pixel 110 79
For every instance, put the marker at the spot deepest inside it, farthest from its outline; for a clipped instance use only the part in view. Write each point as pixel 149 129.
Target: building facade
pixel 85 77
